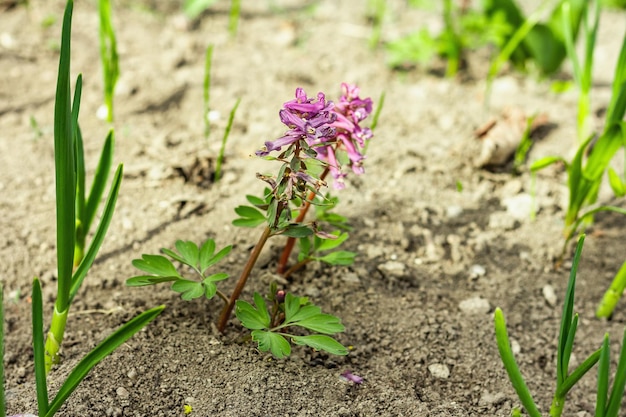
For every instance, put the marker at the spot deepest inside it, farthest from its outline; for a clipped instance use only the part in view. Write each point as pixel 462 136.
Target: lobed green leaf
pixel 272 342
pixel 157 265
pixel 321 342
pixel 251 317
pixel 339 258
pixel 322 323
pixel 188 289
pixel 206 253
pixel 189 251
pixel 144 280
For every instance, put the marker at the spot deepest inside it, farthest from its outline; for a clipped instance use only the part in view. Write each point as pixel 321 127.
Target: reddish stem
pixel 291 241
pixel 228 308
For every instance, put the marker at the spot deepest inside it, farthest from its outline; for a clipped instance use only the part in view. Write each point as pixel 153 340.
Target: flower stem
pixel 228 308
pixel 284 257
pixel 296 267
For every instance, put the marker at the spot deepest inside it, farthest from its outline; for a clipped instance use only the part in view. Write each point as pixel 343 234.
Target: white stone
pixel 520 206
pixel 475 305
pixel 393 268
pixel 549 295
pixel 439 370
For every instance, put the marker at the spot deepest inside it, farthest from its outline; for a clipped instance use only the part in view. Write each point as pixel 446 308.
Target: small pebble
pixel 122 393
pixel 549 295
pixel 392 268
pixel 439 370
pixel 475 305
pixel 454 211
pixel 132 374
pixel 476 271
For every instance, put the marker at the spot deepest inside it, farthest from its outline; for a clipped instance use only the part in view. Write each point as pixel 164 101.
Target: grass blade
pixel 566 319
pixel 578 373
pixel 220 156
pixel 99 181
pixel 612 294
pixel 617 106
pixel 38 349
pixel 101 351
pixel 233 17
pixel 615 400
pixel 79 243
pixel 64 167
pixel 603 377
pixel 108 55
pixel 504 347
pixel 103 227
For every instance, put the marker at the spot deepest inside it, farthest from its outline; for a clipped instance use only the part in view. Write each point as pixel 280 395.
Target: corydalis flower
pixel 308 119
pixel 351 110
pixel 327 128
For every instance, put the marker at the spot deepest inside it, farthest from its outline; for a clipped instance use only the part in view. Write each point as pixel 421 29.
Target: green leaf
pixel 210 289
pixel 64 163
pixel 157 265
pixel 251 317
pixel 292 305
pixel 189 251
pixel 339 258
pixel 504 347
pixel 618 186
pixel 38 349
pixel 617 392
pixel 144 280
pixel 217 257
pixel 602 393
pixel 193 8
pixel 297 231
pixel 273 342
pixel 544 162
pixel 328 244
pixel 188 289
pixel 206 253
pixel 249 212
pixel 322 323
pixel 241 222
pixel 99 181
pixel 321 342
pixel 176 256
pixel 255 201
pixel 101 231
pixel 305 312
pixel 101 351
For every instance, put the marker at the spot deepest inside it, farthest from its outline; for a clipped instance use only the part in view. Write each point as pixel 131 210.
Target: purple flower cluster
pixel 327 127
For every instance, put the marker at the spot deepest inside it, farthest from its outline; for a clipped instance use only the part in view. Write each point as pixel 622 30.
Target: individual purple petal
pixel 350 377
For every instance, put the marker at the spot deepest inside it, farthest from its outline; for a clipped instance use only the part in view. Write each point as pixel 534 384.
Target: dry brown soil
pixel 424 247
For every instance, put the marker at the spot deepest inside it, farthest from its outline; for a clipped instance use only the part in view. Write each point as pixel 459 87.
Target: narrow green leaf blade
pixel 602 394
pixel 504 347
pixel 101 231
pixel 341 257
pixel 38 349
pixel 99 180
pixel 100 352
pixel 64 161
pixel 617 392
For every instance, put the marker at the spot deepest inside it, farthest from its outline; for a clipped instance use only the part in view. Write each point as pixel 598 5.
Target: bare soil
pixel 433 261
